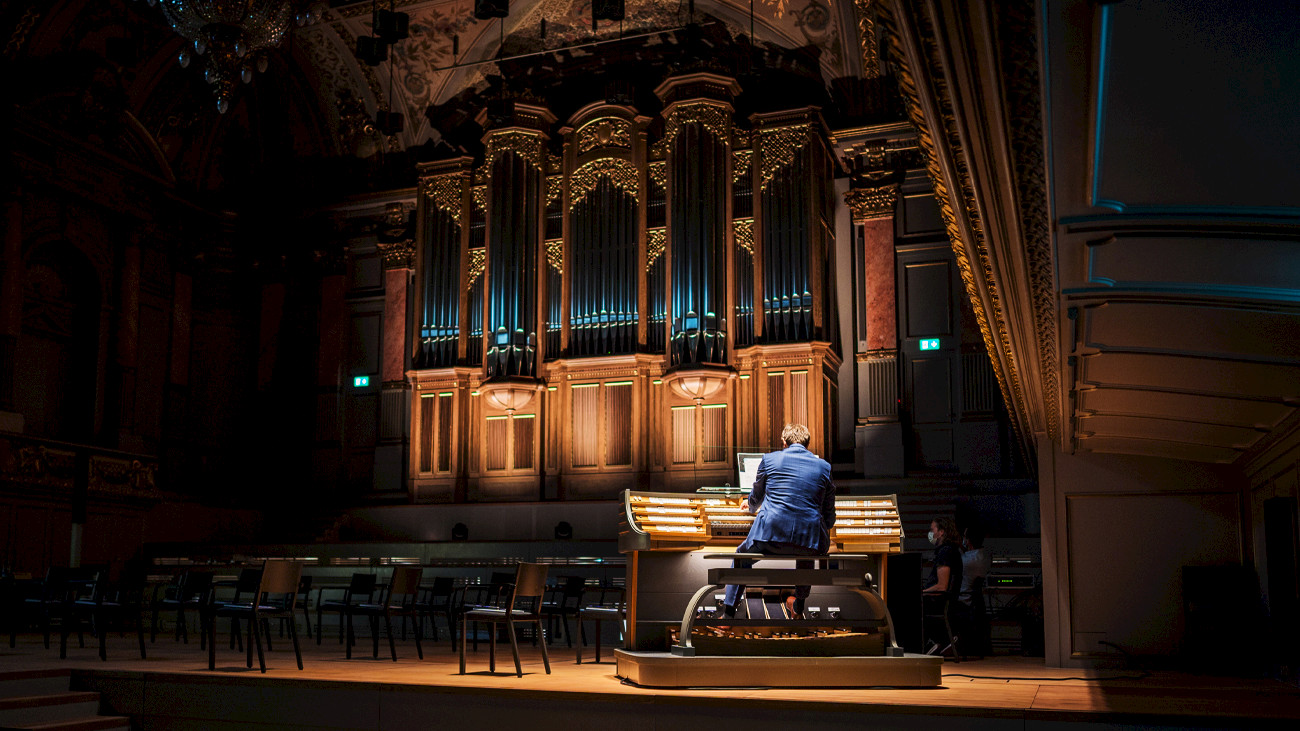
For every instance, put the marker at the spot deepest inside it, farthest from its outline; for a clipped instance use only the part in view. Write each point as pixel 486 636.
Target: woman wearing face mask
pixel 945 574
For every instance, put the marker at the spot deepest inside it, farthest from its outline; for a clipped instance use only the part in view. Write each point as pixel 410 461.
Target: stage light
pixel 372 50
pixel 392 26
pixel 460 532
pixel 563 531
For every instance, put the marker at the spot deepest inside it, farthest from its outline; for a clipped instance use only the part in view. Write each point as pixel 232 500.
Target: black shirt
pixel 947 554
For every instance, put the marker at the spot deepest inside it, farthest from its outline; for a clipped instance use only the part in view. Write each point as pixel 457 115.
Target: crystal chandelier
pixel 233 36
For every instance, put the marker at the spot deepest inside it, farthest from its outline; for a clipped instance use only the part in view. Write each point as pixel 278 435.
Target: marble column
pixel 394 420
pixel 878 433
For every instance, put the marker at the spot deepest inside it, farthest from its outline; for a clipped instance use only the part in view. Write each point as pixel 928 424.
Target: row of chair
pixel 71 598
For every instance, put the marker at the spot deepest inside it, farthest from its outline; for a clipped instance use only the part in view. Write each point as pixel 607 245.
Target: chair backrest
pixel 572 591
pixel 530 585
pixel 404 586
pixel 197 585
pixel 442 588
pixel 362 585
pixel 280 583
pixel 304 586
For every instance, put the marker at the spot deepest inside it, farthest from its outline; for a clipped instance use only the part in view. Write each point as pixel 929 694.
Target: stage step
pixel 42 700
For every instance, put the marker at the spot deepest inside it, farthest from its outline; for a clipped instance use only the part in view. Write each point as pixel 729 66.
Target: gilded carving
pixel 444 192
pixel 397 254
pixel 604 132
pixel 866 15
pixel 659 175
pixel 875 202
pixel 744 234
pixel 127 478
pixel 477 262
pixel 993 326
pixel 554 187
pixel 620 172
pixel 526 145
pixel 778 146
pixel 555 255
pixel 714 116
pixel 656 239
pixel 740 162
pixel 479 195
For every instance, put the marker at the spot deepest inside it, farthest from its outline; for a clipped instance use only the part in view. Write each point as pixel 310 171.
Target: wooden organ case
pixel 668 537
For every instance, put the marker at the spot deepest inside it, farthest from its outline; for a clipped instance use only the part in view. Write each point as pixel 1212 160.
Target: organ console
pixel 673 539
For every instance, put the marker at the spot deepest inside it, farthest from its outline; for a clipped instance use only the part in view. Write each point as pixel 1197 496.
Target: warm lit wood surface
pixel 1005 687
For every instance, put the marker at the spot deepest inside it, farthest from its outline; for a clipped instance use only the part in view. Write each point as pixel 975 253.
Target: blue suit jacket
pixel 794 498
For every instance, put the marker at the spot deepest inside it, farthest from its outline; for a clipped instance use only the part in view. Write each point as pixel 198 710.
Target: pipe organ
pixel 621 300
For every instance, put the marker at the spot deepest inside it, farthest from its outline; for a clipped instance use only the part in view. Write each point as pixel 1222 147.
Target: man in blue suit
pixel 794 505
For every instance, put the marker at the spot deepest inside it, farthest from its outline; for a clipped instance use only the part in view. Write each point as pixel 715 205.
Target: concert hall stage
pixel 173 689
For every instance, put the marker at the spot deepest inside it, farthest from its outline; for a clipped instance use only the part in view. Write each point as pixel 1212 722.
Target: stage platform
pixel 666 670
pixel 173 689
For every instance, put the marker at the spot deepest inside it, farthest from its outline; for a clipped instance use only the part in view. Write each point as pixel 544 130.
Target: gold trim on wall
pixel 621 173
pixel 656 240
pixel 777 147
pixel 445 192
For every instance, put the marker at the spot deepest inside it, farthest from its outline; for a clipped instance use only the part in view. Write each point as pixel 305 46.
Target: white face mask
pixel 933 541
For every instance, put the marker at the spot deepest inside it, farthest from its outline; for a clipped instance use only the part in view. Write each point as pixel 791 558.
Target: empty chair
pixel 439 599
pixel 101 602
pixel 272 595
pixel 398 601
pixel 566 603
pixel 360 589
pixel 304 598
pixel 611 607
pixel 190 591
pixel 523 605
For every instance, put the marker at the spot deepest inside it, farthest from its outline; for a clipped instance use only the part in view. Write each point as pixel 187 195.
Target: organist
pixel 793 503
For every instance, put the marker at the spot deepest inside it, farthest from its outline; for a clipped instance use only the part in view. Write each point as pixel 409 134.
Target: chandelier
pixel 233 36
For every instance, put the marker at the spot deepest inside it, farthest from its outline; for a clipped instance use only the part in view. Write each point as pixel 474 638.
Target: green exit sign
pixel 930 344
pixel 360 381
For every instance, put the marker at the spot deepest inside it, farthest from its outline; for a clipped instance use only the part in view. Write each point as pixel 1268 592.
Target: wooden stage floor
pixel 174 689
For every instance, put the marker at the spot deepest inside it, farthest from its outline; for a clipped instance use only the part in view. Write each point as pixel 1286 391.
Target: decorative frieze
pixel 555 255
pixel 445 193
pixel 526 145
pixel 744 234
pixel 777 147
pixel 655 241
pixel 477 262
pixel 875 202
pixel 712 115
pixel 620 172
pixel 604 132
pixel 659 174
pixel 397 254
pixel 740 162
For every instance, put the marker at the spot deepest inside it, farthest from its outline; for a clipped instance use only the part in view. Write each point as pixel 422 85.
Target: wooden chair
pixel 523 606
pixel 273 595
pixel 567 602
pixel 439 599
pixel 398 601
pixel 100 602
pixel 611 607
pixel 189 591
pixel 360 589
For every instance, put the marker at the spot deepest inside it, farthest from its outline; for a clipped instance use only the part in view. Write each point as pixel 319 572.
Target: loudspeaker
pixel 903 592
pixel 372 50
pixel 487 9
pixel 607 9
pixel 392 26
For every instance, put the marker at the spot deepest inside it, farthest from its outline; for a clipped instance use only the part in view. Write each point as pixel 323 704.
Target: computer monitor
pixel 747 464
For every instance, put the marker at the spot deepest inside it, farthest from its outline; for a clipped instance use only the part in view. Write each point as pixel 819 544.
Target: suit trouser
pixel 772 548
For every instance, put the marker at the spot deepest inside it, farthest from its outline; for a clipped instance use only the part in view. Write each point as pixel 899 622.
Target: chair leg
pixel 63 639
pixel 598 628
pixel 319 632
pixel 492 646
pixel 153 623
pixel 248 646
pixel 348 641
pixel 257 638
pixel 392 645
pixel 582 638
pixel 103 636
pixel 306 619
pixel 463 622
pixel 293 635
pixel 546 661
pixel 139 632
pixel 514 646
pixel 568 633
pixel 212 642
pixel 266 632
pixel 374 634
pixel 419 651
